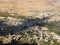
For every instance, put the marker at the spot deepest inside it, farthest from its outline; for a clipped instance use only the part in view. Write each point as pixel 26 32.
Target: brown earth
pixel 27 7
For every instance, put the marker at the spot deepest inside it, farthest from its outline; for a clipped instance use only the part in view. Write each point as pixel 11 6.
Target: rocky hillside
pixel 34 21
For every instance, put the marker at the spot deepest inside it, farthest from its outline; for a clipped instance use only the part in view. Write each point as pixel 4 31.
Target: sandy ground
pixel 27 7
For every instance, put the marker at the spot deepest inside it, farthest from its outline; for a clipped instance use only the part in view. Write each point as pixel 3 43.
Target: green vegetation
pixel 54 27
pixel 13 15
pixel 25 41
